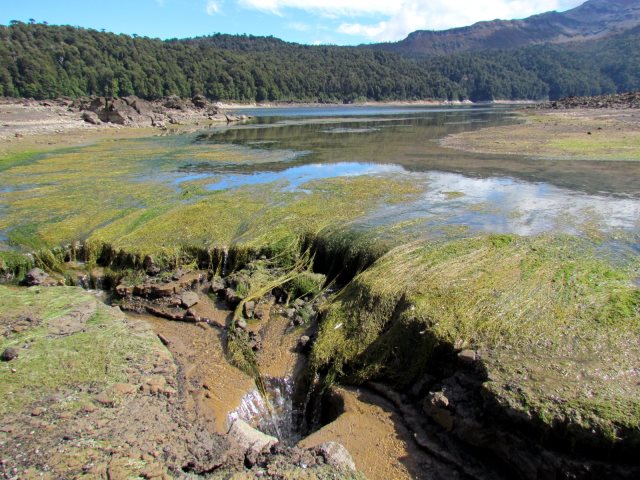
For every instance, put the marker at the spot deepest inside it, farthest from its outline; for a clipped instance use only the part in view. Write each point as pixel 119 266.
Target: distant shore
pixel 407 103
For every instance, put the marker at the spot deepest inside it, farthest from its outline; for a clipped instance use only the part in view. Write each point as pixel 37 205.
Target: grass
pixel 95 357
pixel 523 302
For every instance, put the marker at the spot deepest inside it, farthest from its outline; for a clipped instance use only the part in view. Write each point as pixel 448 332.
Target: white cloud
pixel 213 7
pixel 402 17
pixel 300 27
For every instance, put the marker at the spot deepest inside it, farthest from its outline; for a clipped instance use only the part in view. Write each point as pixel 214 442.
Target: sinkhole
pixel 289 411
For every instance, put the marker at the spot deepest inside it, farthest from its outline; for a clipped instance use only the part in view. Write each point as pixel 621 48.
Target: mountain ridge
pixel 592 20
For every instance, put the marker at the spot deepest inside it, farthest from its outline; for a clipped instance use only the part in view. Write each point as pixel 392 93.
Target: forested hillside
pixel 41 61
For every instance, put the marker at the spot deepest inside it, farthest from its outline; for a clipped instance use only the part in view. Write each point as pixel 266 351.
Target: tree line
pixel 42 61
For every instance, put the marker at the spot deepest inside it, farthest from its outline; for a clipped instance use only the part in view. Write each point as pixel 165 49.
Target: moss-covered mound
pixel 557 328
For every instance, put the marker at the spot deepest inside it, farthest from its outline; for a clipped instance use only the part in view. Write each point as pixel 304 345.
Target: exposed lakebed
pixel 521 269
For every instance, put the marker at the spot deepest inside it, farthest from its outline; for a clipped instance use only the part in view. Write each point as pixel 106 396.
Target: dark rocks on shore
pixel 615 101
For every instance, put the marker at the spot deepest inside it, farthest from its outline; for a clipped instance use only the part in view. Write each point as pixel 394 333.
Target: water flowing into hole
pixel 293 409
pixel 279 416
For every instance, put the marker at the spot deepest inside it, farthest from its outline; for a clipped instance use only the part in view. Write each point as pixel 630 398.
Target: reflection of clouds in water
pixel 296 176
pixel 505 205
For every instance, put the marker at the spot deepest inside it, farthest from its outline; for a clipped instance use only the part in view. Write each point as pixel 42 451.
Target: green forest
pixel 43 61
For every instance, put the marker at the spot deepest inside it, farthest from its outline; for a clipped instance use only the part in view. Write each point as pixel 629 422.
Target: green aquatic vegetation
pixel 14 264
pixel 516 299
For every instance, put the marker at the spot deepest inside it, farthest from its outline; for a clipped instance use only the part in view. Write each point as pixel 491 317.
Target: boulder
pixel 38 277
pixel 200 101
pixel 189 299
pixel 336 455
pixel 217 285
pixel 247 439
pixel 91 117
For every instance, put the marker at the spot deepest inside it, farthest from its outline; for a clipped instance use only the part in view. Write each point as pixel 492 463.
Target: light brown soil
pixel 381 446
pixel 213 387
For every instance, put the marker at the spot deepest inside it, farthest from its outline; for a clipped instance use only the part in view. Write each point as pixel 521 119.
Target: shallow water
pixel 478 193
pixel 291 150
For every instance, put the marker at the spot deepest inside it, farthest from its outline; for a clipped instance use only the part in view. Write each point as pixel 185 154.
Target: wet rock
pixel 232 298
pixel 249 309
pixel 435 405
pixel 189 299
pixel 304 344
pixel 336 455
pixel 246 439
pixel 217 285
pixel 9 354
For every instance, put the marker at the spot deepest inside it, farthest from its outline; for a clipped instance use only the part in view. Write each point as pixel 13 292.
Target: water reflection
pixel 292 178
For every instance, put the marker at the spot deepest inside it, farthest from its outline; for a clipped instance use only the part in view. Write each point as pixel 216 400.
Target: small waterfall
pixel 279 417
pixel 225 260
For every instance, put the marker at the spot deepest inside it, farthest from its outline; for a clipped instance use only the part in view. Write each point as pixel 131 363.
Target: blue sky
pixel 340 22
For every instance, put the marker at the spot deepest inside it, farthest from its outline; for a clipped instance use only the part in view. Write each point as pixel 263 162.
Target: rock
pixel 37 277
pixel 189 299
pixel 439 399
pixel 435 405
pixel 232 297
pixel 467 357
pixel 91 117
pixel 249 309
pixel 9 354
pixel 304 343
pixel 336 455
pixel 191 316
pixel 217 285
pixel 246 439
pixel 242 324
pixel 291 312
pixel 38 411
pixel 123 291
pixel 200 101
pixel 299 303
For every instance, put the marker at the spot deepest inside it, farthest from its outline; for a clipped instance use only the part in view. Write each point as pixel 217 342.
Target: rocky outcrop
pixel 136 112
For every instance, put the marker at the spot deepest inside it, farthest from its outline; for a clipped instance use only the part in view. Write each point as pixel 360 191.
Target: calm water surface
pixel 475 192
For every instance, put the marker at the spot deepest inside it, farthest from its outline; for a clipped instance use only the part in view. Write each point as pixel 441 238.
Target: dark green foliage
pixel 42 61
